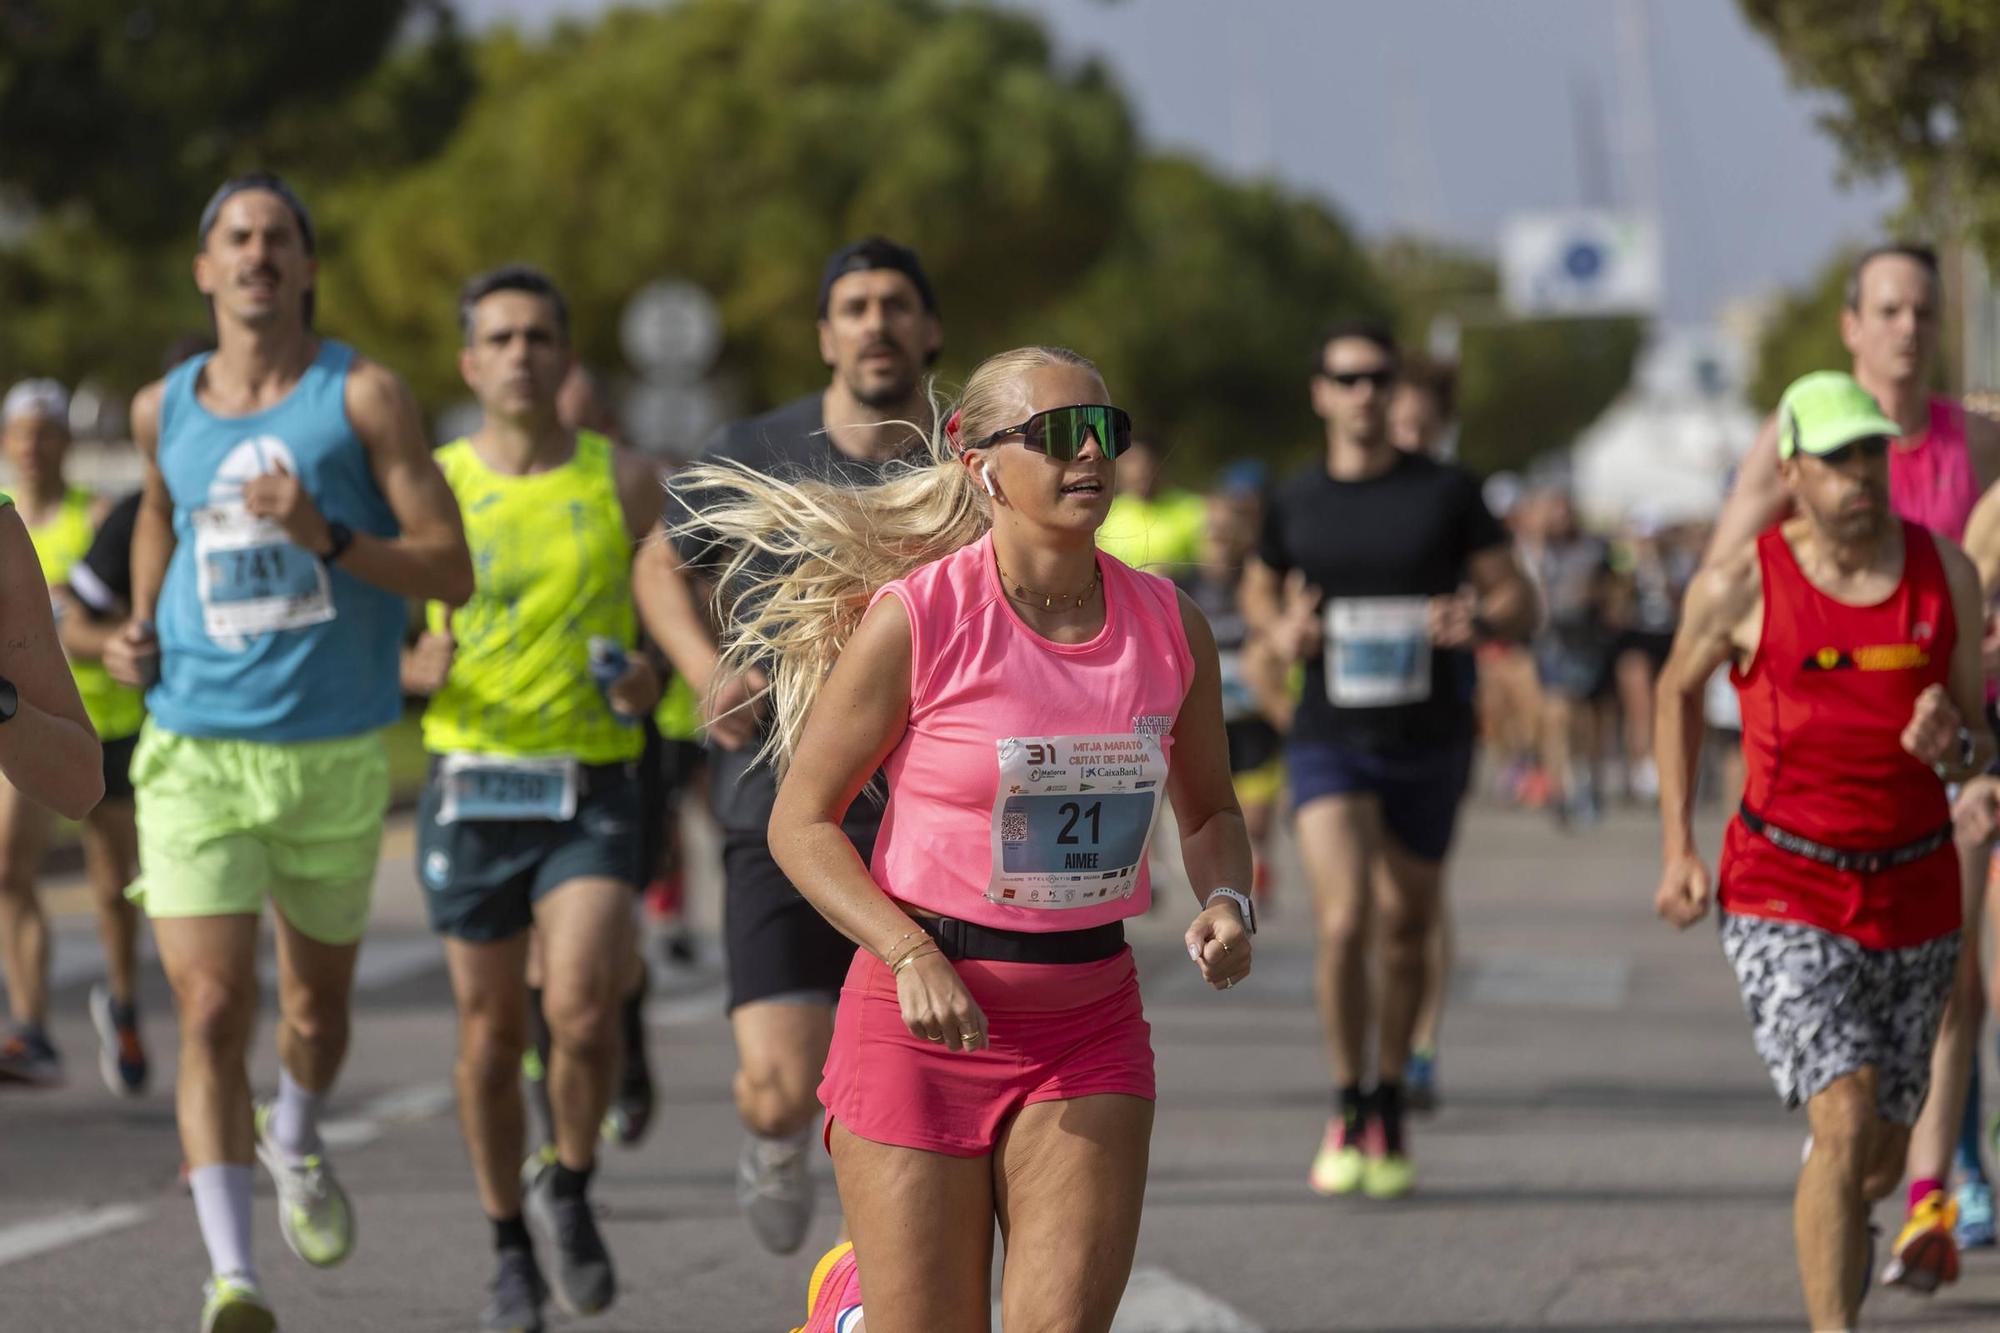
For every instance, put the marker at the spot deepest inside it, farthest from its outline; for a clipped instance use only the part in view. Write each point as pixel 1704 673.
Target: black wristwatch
pixel 10 699
pixel 338 538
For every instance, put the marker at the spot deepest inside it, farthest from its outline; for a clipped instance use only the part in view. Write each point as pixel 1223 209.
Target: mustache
pixel 261 271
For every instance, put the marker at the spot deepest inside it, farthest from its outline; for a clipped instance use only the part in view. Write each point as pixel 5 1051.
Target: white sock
pixel 783 1148
pixel 222 1205
pixel 295 1118
pixel 848 1321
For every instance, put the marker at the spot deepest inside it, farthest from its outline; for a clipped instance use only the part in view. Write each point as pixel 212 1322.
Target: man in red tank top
pixel 1839 887
pixel 1942 461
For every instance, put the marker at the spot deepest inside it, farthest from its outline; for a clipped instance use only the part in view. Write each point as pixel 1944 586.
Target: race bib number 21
pixel 1072 818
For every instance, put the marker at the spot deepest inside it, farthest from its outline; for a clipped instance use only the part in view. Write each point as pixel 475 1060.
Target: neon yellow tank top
pixel 117 711
pixel 552 562
pixel 678 717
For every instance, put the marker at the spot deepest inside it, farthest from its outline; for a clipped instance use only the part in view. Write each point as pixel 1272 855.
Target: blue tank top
pixel 258 639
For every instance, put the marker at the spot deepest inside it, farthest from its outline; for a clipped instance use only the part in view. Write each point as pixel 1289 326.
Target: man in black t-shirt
pixel 878 330
pixel 1360 573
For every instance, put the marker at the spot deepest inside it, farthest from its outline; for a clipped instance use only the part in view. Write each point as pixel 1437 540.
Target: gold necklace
pixel 1024 593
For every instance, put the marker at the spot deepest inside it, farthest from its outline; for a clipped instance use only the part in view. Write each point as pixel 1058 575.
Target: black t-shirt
pixel 1375 549
pixel 102 580
pixel 789 443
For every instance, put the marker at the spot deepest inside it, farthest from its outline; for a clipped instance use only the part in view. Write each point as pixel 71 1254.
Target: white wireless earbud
pixel 986 480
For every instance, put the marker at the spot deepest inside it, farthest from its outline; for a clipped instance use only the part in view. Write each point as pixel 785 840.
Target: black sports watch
pixel 10 699
pixel 338 538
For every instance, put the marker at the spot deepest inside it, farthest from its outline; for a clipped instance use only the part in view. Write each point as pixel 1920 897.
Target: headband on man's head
pixel 257 180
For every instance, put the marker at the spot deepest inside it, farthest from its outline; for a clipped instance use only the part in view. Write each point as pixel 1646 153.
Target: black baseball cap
pixel 873 252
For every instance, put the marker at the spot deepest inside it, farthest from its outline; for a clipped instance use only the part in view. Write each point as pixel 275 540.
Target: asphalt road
pixel 1609 1155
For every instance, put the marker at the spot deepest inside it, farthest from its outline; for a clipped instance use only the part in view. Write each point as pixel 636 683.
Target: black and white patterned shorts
pixel 1822 1005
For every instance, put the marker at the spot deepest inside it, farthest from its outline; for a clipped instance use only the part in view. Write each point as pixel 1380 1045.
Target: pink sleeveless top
pixel 1930 475
pixel 1027 782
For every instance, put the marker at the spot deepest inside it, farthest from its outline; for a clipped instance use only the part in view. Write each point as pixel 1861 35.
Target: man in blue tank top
pixel 291 505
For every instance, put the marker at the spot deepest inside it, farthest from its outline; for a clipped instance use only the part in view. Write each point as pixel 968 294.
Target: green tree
pixel 1803 334
pixel 1913 95
pixel 735 144
pixel 1203 313
pixel 117 121
pixel 133 112
pixel 1525 387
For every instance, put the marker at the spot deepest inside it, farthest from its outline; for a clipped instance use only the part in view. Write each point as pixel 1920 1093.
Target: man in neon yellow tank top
pixel 531 816
pixel 1150 527
pixel 34 423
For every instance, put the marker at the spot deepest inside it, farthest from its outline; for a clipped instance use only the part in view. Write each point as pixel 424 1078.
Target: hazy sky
pixel 1444 116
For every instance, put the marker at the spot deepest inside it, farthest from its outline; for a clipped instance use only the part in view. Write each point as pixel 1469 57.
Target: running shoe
pixel 1384 1174
pixel 1338 1167
pixel 775 1189
pixel 27 1057
pixel 120 1057
pixel 1974 1230
pixel 1925 1257
pixel 584 1282
pixel 1420 1082
pixel 519 1292
pixel 233 1304
pixel 313 1214
pixel 833 1297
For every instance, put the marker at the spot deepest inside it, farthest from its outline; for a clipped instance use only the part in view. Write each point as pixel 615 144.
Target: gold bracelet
pixel 897 943
pixel 896 968
pixel 922 940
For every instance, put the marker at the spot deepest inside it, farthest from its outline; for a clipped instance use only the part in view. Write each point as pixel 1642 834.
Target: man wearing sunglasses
pixel 1853 638
pixel 1942 460
pixel 878 331
pixel 1379 569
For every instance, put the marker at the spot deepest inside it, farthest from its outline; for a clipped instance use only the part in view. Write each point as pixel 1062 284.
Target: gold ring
pixel 937 1037
pixel 968 1036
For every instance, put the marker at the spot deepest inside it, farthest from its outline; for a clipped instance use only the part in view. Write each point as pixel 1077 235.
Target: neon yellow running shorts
pixel 223 822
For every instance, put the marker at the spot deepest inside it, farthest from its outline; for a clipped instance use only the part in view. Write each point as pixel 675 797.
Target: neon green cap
pixel 1827 410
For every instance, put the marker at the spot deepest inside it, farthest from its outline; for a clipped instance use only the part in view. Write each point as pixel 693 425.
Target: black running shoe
pixel 584 1280
pixel 519 1292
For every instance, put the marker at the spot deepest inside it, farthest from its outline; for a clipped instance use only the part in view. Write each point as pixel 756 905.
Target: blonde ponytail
pixel 833 547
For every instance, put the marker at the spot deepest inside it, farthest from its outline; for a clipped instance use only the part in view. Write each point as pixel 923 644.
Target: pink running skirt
pixel 1056 1030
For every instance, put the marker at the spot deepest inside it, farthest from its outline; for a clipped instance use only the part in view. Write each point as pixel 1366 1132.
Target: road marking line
pixel 27 1239
pixel 398 1106
pixel 1158 1302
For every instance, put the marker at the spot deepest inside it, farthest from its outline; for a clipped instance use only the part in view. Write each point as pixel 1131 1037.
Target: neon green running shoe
pixel 232 1304
pixel 313 1215
pixel 1389 1176
pixel 1338 1165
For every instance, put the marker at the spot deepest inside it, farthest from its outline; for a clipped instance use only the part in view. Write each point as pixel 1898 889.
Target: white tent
pixel 1670 443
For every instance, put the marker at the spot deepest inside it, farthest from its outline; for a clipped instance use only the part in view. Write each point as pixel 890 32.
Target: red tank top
pixel 1930 475
pixel 1825 701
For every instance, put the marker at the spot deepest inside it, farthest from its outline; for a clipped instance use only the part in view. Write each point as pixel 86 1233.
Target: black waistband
pixel 965 939
pixel 1841 858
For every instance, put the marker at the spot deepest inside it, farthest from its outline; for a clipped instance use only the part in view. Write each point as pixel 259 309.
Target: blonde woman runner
pixel 1030 701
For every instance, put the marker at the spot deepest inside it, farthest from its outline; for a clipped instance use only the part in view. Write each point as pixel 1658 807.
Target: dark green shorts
pixel 482 878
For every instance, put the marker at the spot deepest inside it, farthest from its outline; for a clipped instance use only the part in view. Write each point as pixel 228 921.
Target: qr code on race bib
pixel 1014 826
